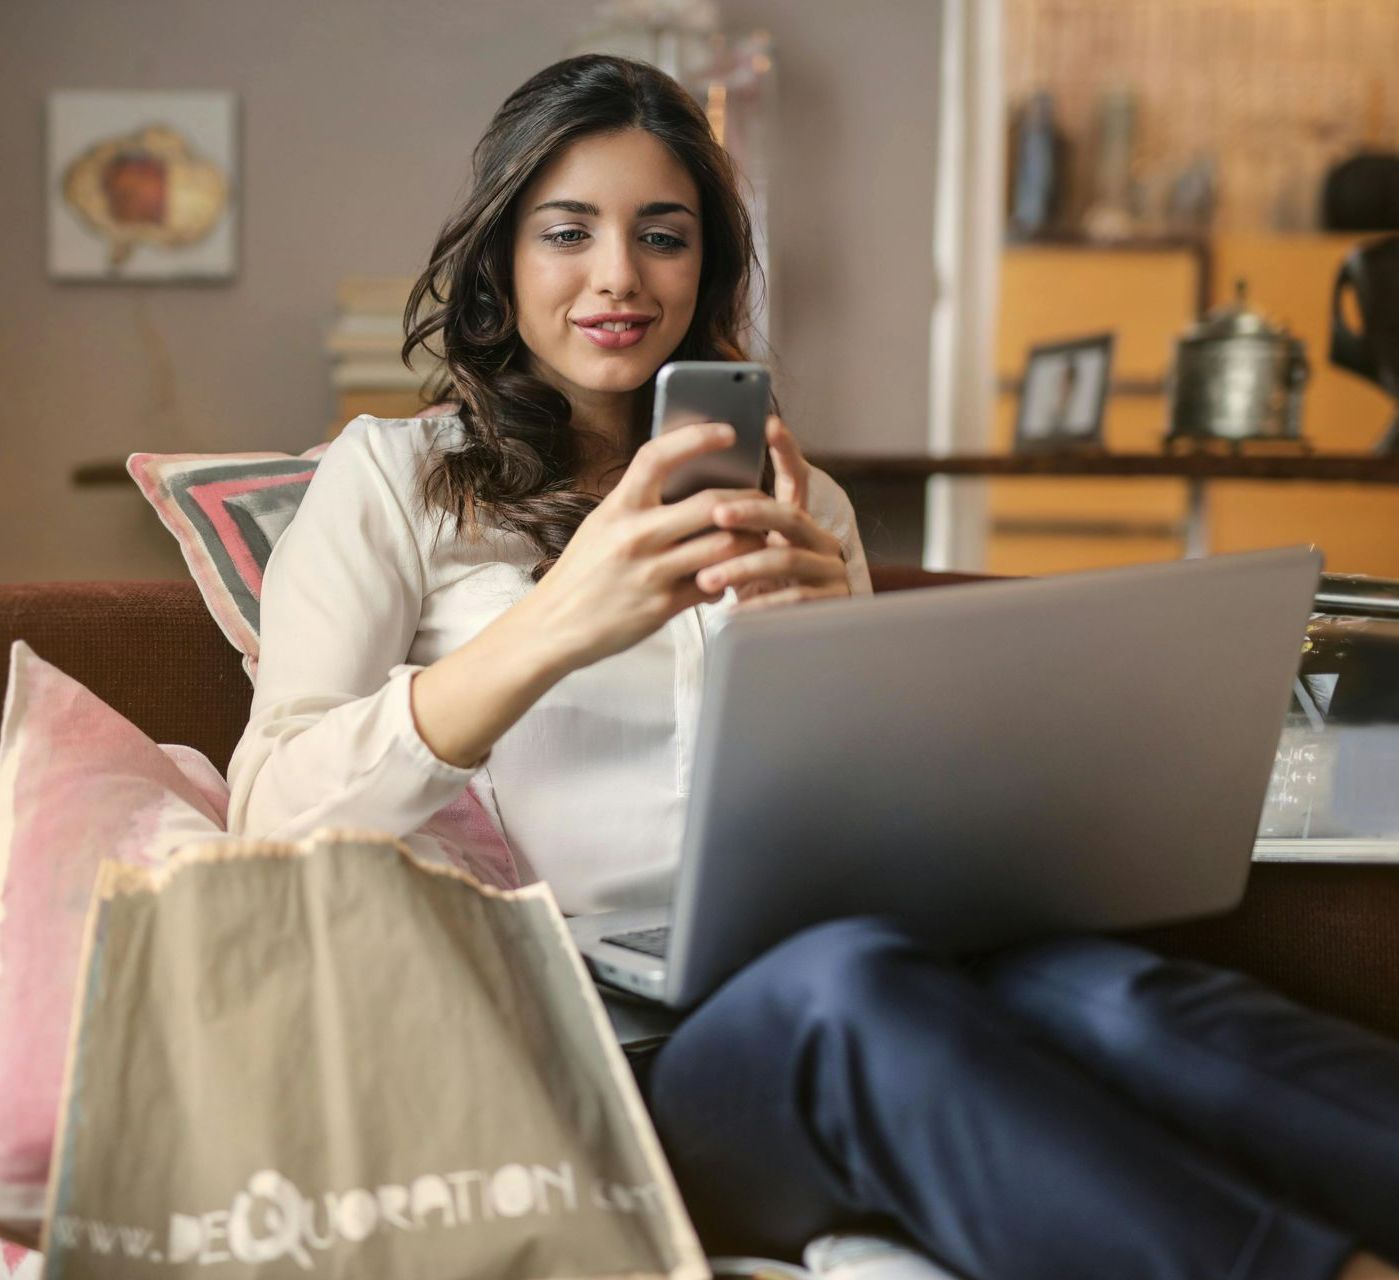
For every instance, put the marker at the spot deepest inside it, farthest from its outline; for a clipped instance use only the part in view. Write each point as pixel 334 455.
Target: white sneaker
pixel 844 1256
pixel 756 1269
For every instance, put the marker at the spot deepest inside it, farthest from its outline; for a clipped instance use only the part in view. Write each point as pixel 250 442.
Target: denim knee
pixel 841 987
pixel 834 972
pixel 735 1091
pixel 1112 992
pixel 823 951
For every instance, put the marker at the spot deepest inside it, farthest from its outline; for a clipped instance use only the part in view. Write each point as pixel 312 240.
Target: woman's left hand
pixel 801 561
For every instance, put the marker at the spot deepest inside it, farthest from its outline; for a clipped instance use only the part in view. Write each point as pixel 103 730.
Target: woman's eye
pixel 673 242
pixel 667 243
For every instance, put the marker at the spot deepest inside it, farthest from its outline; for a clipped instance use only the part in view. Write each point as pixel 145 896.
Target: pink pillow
pixel 19 1263
pixel 78 783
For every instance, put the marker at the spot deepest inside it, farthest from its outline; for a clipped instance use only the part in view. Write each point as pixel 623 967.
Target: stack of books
pixel 366 371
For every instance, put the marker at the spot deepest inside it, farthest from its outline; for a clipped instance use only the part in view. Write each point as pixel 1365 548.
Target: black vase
pixel 1371 274
pixel 1362 193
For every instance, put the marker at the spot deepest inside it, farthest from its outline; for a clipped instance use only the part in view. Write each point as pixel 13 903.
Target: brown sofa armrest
pixel 1324 934
pixel 148 649
pixel 905 577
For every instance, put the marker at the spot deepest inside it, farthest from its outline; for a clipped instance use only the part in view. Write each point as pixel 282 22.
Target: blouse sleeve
pixel 331 740
pixel 831 508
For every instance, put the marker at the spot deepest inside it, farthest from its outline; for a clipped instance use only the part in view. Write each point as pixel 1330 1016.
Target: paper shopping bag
pixel 328 1059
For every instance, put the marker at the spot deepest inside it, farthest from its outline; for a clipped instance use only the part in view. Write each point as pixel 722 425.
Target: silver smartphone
pixel 690 391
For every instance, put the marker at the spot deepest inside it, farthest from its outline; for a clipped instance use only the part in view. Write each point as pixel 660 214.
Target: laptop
pixel 988 763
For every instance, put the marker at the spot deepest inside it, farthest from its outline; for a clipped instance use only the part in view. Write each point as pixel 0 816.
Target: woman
pixel 499 598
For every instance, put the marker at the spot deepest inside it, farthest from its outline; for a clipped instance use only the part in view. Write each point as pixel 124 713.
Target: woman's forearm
pixel 464 701
pixel 1365 1266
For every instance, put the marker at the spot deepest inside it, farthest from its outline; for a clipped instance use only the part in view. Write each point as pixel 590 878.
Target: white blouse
pixel 588 787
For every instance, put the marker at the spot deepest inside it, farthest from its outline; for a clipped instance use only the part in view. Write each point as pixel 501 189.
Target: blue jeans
pixel 1066 1111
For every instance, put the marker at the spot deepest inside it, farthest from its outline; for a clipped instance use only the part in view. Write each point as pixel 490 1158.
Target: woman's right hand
pixel 627 570
pixel 630 566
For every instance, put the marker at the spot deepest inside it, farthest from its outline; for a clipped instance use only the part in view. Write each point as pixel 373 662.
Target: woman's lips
pixel 615 340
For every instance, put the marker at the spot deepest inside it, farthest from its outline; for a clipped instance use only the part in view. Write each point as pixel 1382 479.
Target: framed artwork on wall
pixel 1065 389
pixel 142 186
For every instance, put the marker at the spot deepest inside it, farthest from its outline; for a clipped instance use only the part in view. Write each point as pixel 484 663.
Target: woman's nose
pixel 614 266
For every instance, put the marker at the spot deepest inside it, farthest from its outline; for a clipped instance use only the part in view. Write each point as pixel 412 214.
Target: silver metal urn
pixel 1237 378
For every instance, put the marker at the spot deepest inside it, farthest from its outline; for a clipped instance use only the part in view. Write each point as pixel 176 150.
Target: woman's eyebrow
pixel 652 210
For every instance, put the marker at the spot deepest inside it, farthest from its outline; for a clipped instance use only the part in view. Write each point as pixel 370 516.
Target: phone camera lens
pixel 738 377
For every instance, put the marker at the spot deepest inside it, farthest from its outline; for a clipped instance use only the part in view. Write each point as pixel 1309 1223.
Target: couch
pixel 1327 934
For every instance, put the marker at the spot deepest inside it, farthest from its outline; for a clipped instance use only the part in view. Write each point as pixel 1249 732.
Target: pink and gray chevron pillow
pixel 227 510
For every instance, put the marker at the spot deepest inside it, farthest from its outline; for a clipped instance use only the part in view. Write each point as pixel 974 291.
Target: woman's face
pixel 611 225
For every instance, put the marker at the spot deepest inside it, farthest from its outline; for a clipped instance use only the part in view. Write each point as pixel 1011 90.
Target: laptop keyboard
pixel 650 942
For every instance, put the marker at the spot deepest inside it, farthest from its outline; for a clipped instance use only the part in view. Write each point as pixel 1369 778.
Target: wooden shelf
pixel 1315 467
pixel 1336 468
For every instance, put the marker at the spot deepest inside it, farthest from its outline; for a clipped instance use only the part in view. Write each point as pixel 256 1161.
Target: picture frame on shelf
pixel 1063 394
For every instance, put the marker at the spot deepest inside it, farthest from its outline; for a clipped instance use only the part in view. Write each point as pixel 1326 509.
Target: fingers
pixel 761 587
pixel 764 514
pixel 791 471
pixel 672 521
pixel 790 595
pixel 805 567
pixel 690 557
pixel 641 483
pixel 686 595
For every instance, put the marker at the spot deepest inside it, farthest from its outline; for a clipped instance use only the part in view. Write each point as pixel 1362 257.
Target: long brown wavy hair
pixel 520 455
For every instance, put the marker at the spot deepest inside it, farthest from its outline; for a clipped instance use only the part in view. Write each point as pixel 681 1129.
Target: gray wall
pixel 357 122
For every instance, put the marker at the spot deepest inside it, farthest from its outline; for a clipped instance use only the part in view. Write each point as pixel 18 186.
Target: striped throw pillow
pixel 227 510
